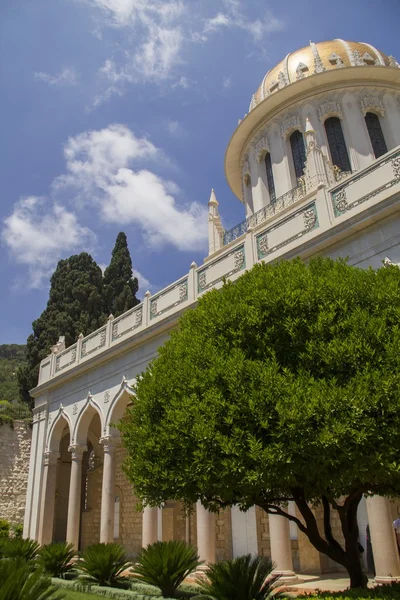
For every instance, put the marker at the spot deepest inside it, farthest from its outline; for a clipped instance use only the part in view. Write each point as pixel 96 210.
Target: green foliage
pixel 282 385
pixel 75 305
pixel 104 564
pixel 18 530
pixel 18 548
pixel 389 591
pixel 4 528
pixel 12 412
pixel 120 287
pixel 17 582
pixel 242 578
pixel 166 565
pixel 55 559
pixel 12 356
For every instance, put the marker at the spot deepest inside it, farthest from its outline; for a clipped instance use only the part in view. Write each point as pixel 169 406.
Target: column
pixel 205 533
pixel 75 490
pixel 107 493
pixel 281 547
pixel 149 526
pixel 383 540
pixel 49 496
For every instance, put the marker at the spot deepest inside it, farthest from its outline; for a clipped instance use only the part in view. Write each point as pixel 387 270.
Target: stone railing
pixel 265 213
pixel 371 182
pixel 249 244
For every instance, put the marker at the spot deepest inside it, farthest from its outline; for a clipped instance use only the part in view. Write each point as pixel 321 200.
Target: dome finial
pixel 213 198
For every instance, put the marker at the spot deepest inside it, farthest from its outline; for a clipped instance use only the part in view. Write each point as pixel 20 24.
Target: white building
pixel 316 163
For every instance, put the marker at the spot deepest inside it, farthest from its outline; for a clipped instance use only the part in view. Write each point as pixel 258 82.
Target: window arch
pixel 298 152
pixel 337 145
pixel 375 134
pixel 270 177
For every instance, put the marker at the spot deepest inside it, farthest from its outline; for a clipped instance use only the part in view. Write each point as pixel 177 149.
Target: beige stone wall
pixel 262 522
pixel 15 447
pixel 223 532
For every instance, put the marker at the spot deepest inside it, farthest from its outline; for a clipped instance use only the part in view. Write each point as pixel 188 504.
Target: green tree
pixel 120 287
pixel 12 357
pixel 284 385
pixel 75 305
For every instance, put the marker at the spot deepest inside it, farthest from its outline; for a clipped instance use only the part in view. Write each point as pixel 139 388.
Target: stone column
pixel 383 539
pixel 107 493
pixel 205 533
pixel 281 547
pixel 149 526
pixel 75 491
pixel 48 500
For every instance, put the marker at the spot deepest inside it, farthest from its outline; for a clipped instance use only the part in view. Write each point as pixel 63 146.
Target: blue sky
pixel 115 117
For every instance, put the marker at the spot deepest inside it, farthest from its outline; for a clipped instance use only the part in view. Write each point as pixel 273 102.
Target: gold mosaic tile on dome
pixel 333 54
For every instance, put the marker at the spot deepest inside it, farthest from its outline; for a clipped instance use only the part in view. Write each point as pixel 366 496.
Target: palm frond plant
pixel 166 565
pixel 55 559
pixel 18 548
pixel 104 564
pixel 243 578
pixel 17 582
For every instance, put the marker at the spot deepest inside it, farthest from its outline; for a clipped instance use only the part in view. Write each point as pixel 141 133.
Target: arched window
pixel 298 152
pixel 376 134
pixel 270 177
pixel 337 145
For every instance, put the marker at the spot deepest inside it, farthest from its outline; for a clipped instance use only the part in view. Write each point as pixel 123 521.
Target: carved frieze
pixel 239 259
pixel 372 103
pixel 290 123
pixel 329 108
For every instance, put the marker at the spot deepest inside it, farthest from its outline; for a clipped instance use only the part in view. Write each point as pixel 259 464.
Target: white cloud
pixel 106 168
pixel 66 76
pixel 38 234
pixel 233 16
pixel 174 128
pixel 144 284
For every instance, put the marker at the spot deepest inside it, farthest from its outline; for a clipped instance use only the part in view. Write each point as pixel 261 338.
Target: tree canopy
pixel 12 356
pixel 75 305
pixel 283 385
pixel 120 287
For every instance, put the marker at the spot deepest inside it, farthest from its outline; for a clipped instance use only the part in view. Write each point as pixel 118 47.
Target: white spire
pixel 213 198
pixel 309 127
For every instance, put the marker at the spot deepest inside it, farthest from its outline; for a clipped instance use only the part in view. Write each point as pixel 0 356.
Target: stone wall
pixel 15 447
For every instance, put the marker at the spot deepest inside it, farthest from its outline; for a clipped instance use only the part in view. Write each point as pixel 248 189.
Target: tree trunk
pixel 355 569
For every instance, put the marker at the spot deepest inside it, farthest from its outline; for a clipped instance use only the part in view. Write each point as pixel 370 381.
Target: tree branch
pixel 327 525
pixel 272 509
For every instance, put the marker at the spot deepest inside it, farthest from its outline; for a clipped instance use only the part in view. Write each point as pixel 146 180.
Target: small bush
pixel 18 531
pixel 19 583
pixel 166 565
pixel 104 564
pixel 4 528
pixel 388 591
pixel 242 578
pixel 20 549
pixel 55 559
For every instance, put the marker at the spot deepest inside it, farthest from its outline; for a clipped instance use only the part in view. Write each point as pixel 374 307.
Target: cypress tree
pixel 75 305
pixel 120 288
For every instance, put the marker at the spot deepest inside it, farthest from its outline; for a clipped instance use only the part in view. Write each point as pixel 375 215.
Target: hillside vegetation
pixel 12 356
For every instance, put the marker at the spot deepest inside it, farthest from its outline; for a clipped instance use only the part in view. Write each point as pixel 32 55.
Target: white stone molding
pixel 50 457
pixel 318 65
pixel 246 168
pixel 52 420
pixel 335 59
pixel 90 401
pixel 289 123
pixel 124 388
pixel 372 103
pixel 329 107
pixel 301 69
pixel 110 443
pixel 77 451
pixel 261 147
pixel 393 62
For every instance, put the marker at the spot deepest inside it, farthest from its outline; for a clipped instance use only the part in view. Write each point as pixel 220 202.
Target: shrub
pixel 104 564
pixel 55 559
pixel 18 530
pixel 20 549
pixel 387 591
pixel 4 528
pixel 242 578
pixel 166 565
pixel 18 583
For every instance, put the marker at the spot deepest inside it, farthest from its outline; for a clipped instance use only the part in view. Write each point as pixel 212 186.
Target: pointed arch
pixel 57 427
pixel 119 404
pixel 84 417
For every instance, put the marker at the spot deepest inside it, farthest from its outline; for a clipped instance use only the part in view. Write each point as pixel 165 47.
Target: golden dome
pixel 316 58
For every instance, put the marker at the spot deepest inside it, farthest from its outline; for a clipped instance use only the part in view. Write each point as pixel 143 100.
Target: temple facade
pixel 316 164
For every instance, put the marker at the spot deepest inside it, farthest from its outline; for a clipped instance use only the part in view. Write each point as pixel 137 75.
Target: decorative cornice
pixel 109 443
pixel 289 123
pixel 329 107
pixel 372 103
